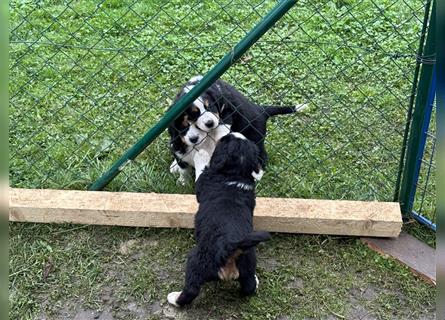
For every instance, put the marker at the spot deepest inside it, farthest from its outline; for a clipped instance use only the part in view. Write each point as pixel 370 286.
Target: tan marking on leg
pixel 230 271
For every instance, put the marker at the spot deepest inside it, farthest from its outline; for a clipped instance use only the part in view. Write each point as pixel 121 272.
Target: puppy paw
pixel 174 167
pixel 259 175
pixel 257 282
pixel 181 180
pixel 173 297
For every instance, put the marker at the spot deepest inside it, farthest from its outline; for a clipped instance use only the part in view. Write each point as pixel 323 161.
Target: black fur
pixel 244 115
pixel 223 223
pixel 233 109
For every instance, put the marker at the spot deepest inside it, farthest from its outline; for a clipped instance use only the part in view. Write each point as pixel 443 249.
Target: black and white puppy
pixel 188 138
pixel 220 109
pixel 224 233
pixel 242 115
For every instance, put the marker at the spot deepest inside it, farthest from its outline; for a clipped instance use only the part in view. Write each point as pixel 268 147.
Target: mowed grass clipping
pixel 87 79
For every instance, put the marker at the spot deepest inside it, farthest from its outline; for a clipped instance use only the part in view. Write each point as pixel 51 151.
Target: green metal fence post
pixel 426 18
pixel 230 58
pixel 426 76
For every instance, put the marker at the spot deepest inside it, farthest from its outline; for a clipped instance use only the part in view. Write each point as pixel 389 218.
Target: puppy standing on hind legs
pixel 225 248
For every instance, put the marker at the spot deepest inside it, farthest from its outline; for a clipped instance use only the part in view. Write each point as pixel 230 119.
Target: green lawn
pixel 87 79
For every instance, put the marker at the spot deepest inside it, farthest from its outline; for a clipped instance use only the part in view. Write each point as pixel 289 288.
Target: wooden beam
pixel 339 217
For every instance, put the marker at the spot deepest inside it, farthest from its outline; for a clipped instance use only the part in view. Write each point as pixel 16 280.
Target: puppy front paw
pixel 182 180
pixel 174 167
pixel 172 297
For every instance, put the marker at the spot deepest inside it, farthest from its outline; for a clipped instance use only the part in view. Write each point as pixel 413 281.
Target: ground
pixel 92 272
pixel 87 79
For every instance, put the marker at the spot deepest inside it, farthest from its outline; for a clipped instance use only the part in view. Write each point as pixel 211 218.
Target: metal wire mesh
pixel 424 206
pixel 87 79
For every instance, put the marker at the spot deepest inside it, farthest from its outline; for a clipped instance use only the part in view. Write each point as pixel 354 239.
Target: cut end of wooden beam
pixel 336 217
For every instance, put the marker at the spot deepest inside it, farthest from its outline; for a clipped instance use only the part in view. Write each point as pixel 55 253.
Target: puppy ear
pixel 249 158
pixel 226 112
pixel 220 156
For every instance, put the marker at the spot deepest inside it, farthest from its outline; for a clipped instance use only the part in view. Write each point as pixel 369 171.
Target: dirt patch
pixel 128 247
pixel 359 312
pixel 268 264
pixel 93 315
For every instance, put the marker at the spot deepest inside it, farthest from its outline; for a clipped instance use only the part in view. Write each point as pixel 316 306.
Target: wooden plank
pixel 415 254
pixel 339 217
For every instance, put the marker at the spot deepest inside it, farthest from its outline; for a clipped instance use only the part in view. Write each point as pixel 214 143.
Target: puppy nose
pixel 210 124
pixel 194 139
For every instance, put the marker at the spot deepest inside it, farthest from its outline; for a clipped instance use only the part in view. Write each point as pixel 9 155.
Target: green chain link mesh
pixel 88 78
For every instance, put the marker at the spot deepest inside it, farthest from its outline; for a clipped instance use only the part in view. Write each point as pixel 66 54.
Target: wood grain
pixel 337 217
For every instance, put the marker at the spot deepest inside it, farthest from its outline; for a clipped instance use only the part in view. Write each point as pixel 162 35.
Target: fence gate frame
pixel 419 124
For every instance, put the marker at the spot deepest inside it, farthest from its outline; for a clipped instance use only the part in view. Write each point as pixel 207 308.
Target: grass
pixel 87 80
pixel 112 269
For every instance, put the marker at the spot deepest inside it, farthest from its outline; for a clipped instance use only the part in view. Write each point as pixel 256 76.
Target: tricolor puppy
pixel 225 248
pixel 220 108
pixel 193 148
pixel 196 129
pixel 242 115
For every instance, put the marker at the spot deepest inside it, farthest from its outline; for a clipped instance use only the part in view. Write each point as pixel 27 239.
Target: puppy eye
pixel 195 115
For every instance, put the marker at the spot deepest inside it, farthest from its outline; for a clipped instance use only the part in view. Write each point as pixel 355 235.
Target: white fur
pixel 301 107
pixel 188 88
pixel 208 144
pixel 201 159
pixel 172 297
pixel 204 118
pixel 194 132
pixel 258 176
pixel 241 185
pixel 174 167
pixel 195 78
pixel 183 173
pixel 257 282
pixel 239 135
pixel 221 131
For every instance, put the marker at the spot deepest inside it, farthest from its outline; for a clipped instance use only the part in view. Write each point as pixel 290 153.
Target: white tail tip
pixel 301 107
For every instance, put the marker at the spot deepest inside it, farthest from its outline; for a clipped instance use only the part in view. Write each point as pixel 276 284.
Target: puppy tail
pixel 235 248
pixel 252 240
pixel 275 110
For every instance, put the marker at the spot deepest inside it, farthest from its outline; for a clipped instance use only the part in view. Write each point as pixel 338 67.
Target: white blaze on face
pixel 207 120
pixel 194 136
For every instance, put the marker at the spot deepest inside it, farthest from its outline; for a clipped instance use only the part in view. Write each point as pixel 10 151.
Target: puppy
pixel 192 147
pixel 222 108
pixel 224 233
pixel 187 137
pixel 243 115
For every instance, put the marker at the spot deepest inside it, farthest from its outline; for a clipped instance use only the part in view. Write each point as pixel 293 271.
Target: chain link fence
pixel 424 202
pixel 87 79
